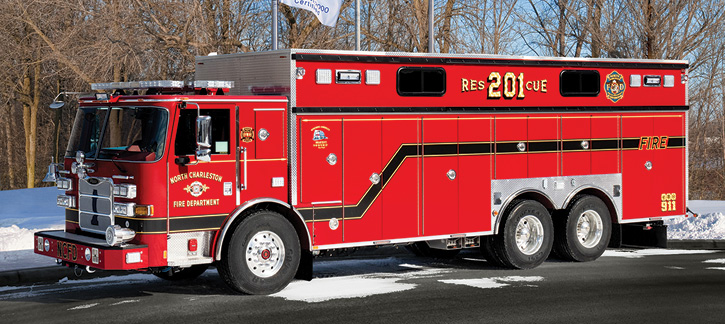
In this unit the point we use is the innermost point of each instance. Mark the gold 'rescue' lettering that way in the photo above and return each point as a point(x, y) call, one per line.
point(509, 86)
point(195, 175)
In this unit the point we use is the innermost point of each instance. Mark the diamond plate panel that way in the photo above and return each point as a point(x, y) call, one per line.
point(178, 248)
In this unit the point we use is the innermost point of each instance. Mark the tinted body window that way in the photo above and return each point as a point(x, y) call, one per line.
point(421, 81)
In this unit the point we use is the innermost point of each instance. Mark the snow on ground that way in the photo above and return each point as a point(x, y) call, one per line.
point(25, 211)
point(709, 225)
point(22, 213)
point(497, 282)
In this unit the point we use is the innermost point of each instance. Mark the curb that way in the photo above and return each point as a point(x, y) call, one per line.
point(56, 273)
point(696, 244)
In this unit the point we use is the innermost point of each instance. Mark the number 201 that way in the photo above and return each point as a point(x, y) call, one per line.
point(513, 86)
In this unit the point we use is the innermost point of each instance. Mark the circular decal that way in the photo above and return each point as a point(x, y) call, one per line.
point(196, 188)
point(614, 86)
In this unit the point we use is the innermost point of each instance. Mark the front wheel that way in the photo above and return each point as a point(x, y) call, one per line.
point(526, 238)
point(262, 255)
point(583, 233)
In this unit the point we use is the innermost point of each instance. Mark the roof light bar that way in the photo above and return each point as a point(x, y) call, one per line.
point(114, 85)
point(162, 84)
point(173, 84)
point(213, 84)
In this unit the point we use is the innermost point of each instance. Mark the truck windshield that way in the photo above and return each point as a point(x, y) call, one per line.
point(120, 133)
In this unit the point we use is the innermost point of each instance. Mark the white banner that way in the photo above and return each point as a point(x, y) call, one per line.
point(326, 11)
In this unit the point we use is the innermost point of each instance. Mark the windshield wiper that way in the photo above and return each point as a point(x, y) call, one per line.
point(114, 155)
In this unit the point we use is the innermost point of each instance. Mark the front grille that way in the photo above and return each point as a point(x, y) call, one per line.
point(95, 204)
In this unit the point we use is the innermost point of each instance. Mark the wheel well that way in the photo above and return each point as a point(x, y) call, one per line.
point(538, 197)
point(528, 195)
point(602, 196)
point(286, 212)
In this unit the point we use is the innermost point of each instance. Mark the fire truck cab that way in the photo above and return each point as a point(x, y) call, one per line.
point(303, 151)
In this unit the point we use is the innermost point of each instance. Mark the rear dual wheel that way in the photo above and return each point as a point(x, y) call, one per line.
point(526, 238)
point(583, 233)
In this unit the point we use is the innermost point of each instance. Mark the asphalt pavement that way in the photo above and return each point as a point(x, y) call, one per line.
point(55, 273)
point(623, 286)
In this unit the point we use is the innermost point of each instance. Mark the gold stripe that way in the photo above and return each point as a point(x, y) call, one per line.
point(170, 217)
point(645, 116)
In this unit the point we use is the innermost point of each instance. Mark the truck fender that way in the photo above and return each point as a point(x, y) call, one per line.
point(526, 193)
point(251, 204)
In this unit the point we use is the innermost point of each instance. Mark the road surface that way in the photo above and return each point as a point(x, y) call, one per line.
point(624, 286)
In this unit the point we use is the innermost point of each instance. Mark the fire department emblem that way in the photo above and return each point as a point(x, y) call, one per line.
point(614, 86)
point(196, 188)
point(319, 137)
point(247, 134)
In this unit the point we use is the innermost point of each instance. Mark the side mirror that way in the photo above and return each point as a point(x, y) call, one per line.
point(57, 104)
point(203, 138)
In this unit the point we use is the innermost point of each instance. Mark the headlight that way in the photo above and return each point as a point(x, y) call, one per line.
point(123, 209)
point(66, 201)
point(64, 184)
point(117, 235)
point(124, 190)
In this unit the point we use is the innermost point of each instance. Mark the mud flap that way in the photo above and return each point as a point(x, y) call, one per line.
point(651, 234)
point(304, 271)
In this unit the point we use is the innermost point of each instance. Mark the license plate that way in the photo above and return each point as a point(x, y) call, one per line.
point(67, 251)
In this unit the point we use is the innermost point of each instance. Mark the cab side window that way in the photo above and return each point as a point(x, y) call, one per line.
point(220, 134)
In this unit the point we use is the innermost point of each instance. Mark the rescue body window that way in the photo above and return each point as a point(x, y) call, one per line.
point(579, 83)
point(185, 143)
point(421, 81)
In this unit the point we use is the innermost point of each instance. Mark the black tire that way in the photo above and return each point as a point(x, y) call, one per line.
point(178, 274)
point(422, 249)
point(533, 218)
point(591, 213)
point(489, 252)
point(262, 254)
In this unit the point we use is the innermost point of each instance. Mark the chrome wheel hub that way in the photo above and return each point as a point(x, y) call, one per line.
point(265, 254)
point(529, 235)
point(589, 229)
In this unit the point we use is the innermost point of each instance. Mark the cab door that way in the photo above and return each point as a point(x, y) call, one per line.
point(202, 188)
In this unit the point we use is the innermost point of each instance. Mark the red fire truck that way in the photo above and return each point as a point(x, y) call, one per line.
point(303, 152)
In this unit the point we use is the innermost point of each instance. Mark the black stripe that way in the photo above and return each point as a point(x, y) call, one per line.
point(484, 61)
point(158, 225)
point(71, 215)
point(508, 148)
point(351, 110)
point(676, 142)
point(608, 144)
point(569, 145)
point(474, 148)
point(397, 160)
point(440, 149)
point(543, 146)
point(630, 143)
point(436, 149)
